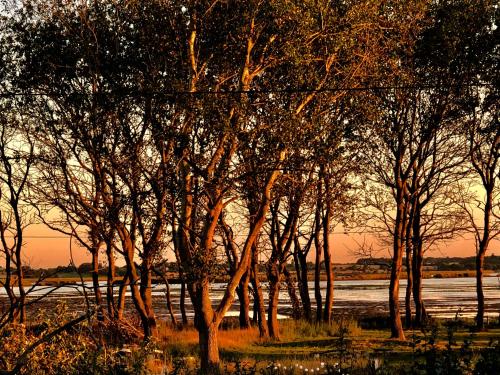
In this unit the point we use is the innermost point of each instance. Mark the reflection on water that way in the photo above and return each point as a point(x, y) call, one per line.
point(442, 297)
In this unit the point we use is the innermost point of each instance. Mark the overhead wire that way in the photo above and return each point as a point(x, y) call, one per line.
point(6, 94)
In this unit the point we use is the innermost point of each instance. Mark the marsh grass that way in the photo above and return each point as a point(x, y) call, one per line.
point(342, 345)
point(299, 329)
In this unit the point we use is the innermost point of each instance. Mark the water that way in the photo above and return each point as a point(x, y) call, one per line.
point(442, 297)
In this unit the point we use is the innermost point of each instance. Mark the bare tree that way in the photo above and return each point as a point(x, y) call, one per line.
point(484, 148)
point(16, 160)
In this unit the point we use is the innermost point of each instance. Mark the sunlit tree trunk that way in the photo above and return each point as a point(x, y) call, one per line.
point(206, 325)
point(148, 322)
point(273, 276)
point(146, 293)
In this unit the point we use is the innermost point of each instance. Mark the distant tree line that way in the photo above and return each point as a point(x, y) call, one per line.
point(229, 133)
point(491, 262)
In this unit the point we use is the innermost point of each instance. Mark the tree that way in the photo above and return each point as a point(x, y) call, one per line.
point(16, 161)
point(108, 172)
point(206, 175)
point(465, 44)
point(415, 163)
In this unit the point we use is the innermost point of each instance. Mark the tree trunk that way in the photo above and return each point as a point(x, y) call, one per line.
point(207, 326)
point(409, 286)
point(21, 300)
point(290, 284)
point(409, 243)
point(178, 240)
point(258, 295)
point(417, 262)
point(182, 303)
point(110, 279)
point(164, 276)
point(244, 299)
point(146, 293)
point(397, 261)
point(327, 316)
point(209, 349)
point(148, 326)
point(302, 276)
point(479, 290)
point(13, 311)
point(418, 271)
point(255, 307)
point(148, 322)
point(482, 248)
point(274, 289)
point(95, 282)
point(169, 301)
point(317, 270)
point(120, 305)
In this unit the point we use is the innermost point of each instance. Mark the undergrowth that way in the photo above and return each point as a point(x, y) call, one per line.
point(341, 347)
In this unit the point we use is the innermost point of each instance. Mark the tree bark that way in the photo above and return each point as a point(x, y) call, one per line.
point(146, 293)
point(258, 295)
point(482, 249)
point(274, 289)
point(148, 322)
point(95, 282)
point(290, 284)
point(327, 316)
point(409, 285)
point(302, 276)
point(168, 297)
point(120, 305)
point(110, 280)
point(13, 311)
point(408, 242)
point(418, 270)
point(418, 265)
point(317, 269)
point(209, 348)
point(207, 325)
point(479, 290)
point(244, 299)
point(397, 261)
point(182, 303)
point(255, 307)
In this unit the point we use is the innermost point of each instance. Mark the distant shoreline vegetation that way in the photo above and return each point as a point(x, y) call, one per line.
point(363, 268)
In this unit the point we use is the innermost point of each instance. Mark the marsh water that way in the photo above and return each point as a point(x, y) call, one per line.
point(443, 297)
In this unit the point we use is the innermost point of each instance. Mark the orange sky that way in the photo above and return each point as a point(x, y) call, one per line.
point(53, 249)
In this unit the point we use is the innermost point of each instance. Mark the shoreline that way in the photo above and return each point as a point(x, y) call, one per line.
point(339, 276)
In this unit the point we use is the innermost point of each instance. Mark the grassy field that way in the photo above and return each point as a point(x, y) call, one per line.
point(341, 346)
